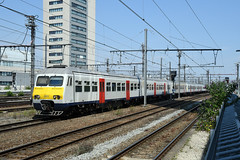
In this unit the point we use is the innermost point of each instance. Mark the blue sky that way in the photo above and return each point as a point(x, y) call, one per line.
point(220, 18)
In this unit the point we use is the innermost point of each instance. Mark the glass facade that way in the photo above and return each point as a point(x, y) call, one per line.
point(78, 32)
point(55, 10)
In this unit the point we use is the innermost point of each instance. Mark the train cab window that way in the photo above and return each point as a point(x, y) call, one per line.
point(113, 87)
point(108, 86)
point(69, 82)
point(123, 86)
point(78, 88)
point(118, 86)
point(42, 81)
point(56, 81)
point(86, 86)
point(94, 86)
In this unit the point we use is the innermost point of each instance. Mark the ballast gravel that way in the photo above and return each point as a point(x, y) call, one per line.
point(195, 147)
point(103, 148)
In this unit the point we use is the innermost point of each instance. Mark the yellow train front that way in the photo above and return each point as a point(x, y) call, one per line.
point(48, 94)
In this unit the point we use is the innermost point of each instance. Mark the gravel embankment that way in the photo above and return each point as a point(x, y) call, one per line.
point(194, 148)
point(95, 148)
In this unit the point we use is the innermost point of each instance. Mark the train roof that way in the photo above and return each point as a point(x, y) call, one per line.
point(70, 70)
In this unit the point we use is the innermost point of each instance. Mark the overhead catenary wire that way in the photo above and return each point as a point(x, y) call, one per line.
point(70, 32)
point(201, 23)
point(158, 32)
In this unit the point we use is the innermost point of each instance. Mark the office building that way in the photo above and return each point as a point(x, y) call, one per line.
point(69, 32)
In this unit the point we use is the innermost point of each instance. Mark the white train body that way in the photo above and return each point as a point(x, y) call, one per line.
point(58, 90)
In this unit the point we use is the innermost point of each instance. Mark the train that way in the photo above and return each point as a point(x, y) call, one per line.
point(61, 90)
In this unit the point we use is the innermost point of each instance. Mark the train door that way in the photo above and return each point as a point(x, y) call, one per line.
point(101, 90)
point(127, 90)
point(155, 90)
point(164, 89)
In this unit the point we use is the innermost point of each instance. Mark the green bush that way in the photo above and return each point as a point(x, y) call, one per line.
point(21, 93)
point(7, 87)
point(28, 88)
point(208, 111)
point(9, 94)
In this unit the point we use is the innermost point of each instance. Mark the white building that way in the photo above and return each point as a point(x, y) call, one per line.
point(15, 67)
point(69, 22)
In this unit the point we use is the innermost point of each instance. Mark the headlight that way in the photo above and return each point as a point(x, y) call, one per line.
point(36, 97)
point(56, 97)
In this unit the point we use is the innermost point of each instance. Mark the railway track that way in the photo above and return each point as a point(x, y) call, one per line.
point(30, 123)
point(14, 103)
point(31, 150)
point(24, 124)
point(156, 144)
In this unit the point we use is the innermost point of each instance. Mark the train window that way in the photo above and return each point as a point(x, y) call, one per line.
point(113, 87)
point(118, 86)
point(42, 81)
point(56, 81)
point(135, 86)
point(161, 87)
point(69, 82)
point(108, 86)
point(86, 86)
point(78, 88)
point(138, 86)
point(123, 86)
point(94, 86)
point(147, 86)
point(131, 86)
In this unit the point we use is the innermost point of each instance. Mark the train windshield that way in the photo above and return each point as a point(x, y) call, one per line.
point(49, 81)
point(42, 81)
point(56, 81)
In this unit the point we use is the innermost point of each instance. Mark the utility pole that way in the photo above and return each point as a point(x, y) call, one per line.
point(161, 68)
point(145, 69)
point(208, 82)
point(184, 72)
point(143, 51)
point(108, 65)
point(169, 70)
point(179, 65)
point(134, 70)
point(238, 77)
point(31, 25)
point(46, 51)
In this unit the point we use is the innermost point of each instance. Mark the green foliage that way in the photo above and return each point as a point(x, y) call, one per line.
point(21, 93)
point(7, 87)
point(208, 111)
point(9, 94)
point(28, 88)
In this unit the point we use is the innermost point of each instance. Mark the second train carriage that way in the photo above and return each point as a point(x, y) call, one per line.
point(68, 89)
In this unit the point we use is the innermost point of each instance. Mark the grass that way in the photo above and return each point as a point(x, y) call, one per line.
point(10, 94)
point(84, 149)
point(21, 114)
point(7, 88)
point(119, 112)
